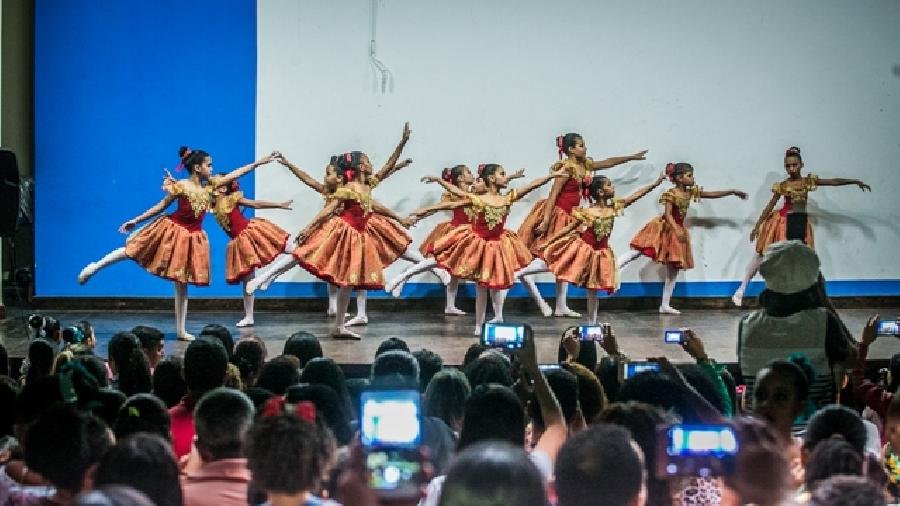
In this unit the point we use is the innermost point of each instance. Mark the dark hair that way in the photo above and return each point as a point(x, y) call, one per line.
point(452, 174)
point(249, 357)
point(493, 412)
point(4, 361)
point(658, 390)
point(220, 333)
point(598, 466)
point(286, 454)
point(473, 352)
point(673, 170)
point(564, 386)
point(514, 479)
point(51, 328)
point(328, 406)
point(278, 374)
point(9, 390)
point(190, 157)
point(73, 335)
point(205, 364)
point(793, 151)
point(348, 163)
point(895, 372)
point(430, 363)
point(566, 142)
point(304, 346)
point(63, 444)
point(35, 397)
point(391, 343)
point(846, 490)
point(798, 377)
point(131, 364)
point(150, 337)
point(832, 457)
point(591, 397)
point(597, 183)
point(145, 462)
point(325, 371)
point(96, 367)
point(222, 418)
point(143, 413)
point(446, 396)
point(487, 169)
point(40, 360)
point(258, 396)
point(587, 352)
point(489, 368)
point(396, 362)
point(168, 380)
point(113, 495)
point(835, 420)
point(607, 372)
point(642, 421)
point(702, 383)
point(762, 474)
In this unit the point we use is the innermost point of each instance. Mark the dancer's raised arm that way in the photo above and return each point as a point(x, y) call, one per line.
point(453, 189)
point(641, 192)
point(149, 213)
point(541, 181)
point(265, 204)
point(425, 212)
point(391, 165)
point(300, 174)
point(838, 181)
point(723, 193)
point(240, 171)
point(617, 160)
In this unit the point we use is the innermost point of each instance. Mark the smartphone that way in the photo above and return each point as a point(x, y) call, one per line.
point(549, 367)
point(390, 433)
point(887, 328)
point(696, 450)
point(510, 336)
point(591, 333)
point(673, 336)
point(629, 369)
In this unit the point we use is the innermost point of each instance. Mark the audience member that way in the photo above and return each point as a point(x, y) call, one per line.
point(847, 491)
point(325, 371)
point(128, 364)
point(168, 381)
point(40, 360)
point(151, 340)
point(490, 367)
point(391, 343)
point(278, 374)
point(430, 363)
point(446, 396)
point(572, 349)
point(328, 406)
point(205, 363)
point(146, 463)
point(249, 357)
point(304, 346)
point(493, 473)
point(221, 334)
point(143, 413)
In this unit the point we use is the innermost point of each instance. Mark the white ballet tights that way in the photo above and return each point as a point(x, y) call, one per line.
point(752, 269)
point(627, 258)
point(525, 275)
point(181, 306)
point(592, 303)
point(248, 301)
point(669, 286)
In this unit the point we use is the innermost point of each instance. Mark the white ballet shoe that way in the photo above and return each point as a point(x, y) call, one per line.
point(86, 273)
point(668, 310)
point(738, 298)
point(331, 311)
point(453, 311)
point(342, 333)
point(496, 319)
point(357, 321)
point(444, 276)
point(245, 322)
point(546, 310)
point(394, 287)
point(398, 290)
point(566, 313)
point(186, 337)
point(477, 331)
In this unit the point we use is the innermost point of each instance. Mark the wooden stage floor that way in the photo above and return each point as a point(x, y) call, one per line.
point(639, 332)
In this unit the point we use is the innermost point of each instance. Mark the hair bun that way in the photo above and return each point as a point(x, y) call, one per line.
point(792, 151)
point(184, 152)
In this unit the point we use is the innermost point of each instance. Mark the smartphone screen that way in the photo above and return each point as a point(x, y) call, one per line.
point(591, 333)
point(390, 433)
point(696, 450)
point(887, 328)
point(673, 336)
point(548, 367)
point(503, 335)
point(632, 368)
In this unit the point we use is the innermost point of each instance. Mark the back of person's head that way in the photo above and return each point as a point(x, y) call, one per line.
point(143, 413)
point(151, 338)
point(221, 334)
point(587, 352)
point(258, 396)
point(564, 385)
point(657, 389)
point(834, 420)
point(492, 412)
point(493, 473)
point(607, 371)
point(146, 463)
point(129, 362)
point(591, 397)
point(9, 390)
point(355, 388)
point(395, 362)
point(278, 374)
point(222, 418)
point(832, 457)
point(847, 491)
point(205, 364)
point(63, 444)
point(288, 455)
point(79, 386)
point(113, 495)
point(304, 346)
point(40, 359)
point(249, 357)
point(601, 465)
point(762, 472)
point(35, 397)
point(4, 361)
point(472, 352)
point(94, 365)
point(490, 367)
point(325, 371)
point(168, 380)
point(429, 365)
point(391, 343)
point(328, 406)
point(446, 396)
point(642, 421)
point(702, 383)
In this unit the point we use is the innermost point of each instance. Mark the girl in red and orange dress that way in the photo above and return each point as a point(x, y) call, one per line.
point(771, 227)
point(665, 239)
point(174, 246)
point(550, 215)
point(580, 253)
point(484, 251)
point(254, 243)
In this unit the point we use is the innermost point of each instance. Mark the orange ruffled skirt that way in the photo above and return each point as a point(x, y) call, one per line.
point(343, 255)
point(439, 231)
point(170, 251)
point(659, 241)
point(572, 259)
point(559, 220)
point(255, 246)
point(491, 263)
point(774, 229)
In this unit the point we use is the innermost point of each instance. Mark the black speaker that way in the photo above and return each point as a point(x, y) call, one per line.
point(796, 227)
point(9, 193)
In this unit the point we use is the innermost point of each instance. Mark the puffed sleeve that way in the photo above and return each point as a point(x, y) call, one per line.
point(811, 181)
point(696, 192)
point(172, 187)
point(667, 197)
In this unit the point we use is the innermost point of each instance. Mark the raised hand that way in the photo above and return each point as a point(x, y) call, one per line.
point(430, 179)
point(127, 227)
point(406, 131)
point(863, 186)
point(868, 334)
point(572, 344)
point(286, 204)
point(640, 155)
point(517, 174)
point(693, 345)
point(739, 194)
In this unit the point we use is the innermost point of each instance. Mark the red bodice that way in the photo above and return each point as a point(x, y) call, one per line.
point(355, 215)
point(459, 217)
point(570, 195)
point(184, 215)
point(480, 227)
point(238, 222)
point(787, 208)
point(676, 213)
point(590, 237)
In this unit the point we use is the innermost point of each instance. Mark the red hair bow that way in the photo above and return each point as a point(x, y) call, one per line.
point(480, 170)
point(670, 170)
point(184, 157)
point(305, 410)
point(447, 175)
point(586, 187)
point(559, 146)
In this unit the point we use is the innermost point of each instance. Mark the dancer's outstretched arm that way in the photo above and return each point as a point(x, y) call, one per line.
point(723, 193)
point(425, 212)
point(641, 192)
point(236, 173)
point(541, 181)
point(770, 206)
point(265, 204)
point(146, 215)
point(838, 181)
point(391, 165)
point(451, 188)
point(302, 175)
point(617, 160)
point(383, 210)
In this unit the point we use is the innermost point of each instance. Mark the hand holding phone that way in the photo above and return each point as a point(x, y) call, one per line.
point(887, 327)
point(510, 336)
point(390, 433)
point(591, 333)
point(630, 369)
point(673, 336)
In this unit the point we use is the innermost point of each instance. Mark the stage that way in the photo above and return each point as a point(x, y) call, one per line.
point(639, 332)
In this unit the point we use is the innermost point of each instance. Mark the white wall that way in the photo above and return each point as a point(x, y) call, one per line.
point(724, 85)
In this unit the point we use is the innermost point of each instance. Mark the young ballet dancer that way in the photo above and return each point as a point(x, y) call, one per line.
point(580, 253)
point(484, 251)
point(771, 227)
point(254, 243)
point(174, 246)
point(550, 215)
point(665, 239)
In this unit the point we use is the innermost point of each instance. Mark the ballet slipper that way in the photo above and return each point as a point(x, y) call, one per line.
point(668, 310)
point(357, 321)
point(453, 311)
point(186, 337)
point(342, 333)
point(566, 313)
point(86, 273)
point(245, 322)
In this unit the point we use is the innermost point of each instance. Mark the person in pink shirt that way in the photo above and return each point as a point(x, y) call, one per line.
point(205, 364)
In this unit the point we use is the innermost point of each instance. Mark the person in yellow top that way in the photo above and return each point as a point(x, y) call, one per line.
point(665, 239)
point(771, 227)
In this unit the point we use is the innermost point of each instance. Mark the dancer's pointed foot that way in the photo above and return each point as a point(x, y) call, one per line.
point(496, 319)
point(357, 321)
point(394, 287)
point(444, 276)
point(342, 333)
point(545, 308)
point(737, 298)
point(86, 273)
point(453, 311)
point(566, 313)
point(477, 331)
point(668, 310)
point(186, 337)
point(254, 285)
point(245, 322)
point(331, 311)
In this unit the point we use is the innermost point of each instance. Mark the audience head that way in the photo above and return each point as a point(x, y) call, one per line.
point(168, 381)
point(222, 418)
point(151, 339)
point(473, 352)
point(490, 367)
point(278, 374)
point(113, 495)
point(446, 396)
point(96, 367)
point(146, 463)
point(324, 371)
point(40, 360)
point(395, 362)
point(258, 396)
point(789, 267)
point(564, 385)
point(304, 346)
point(205, 364)
point(143, 413)
point(127, 360)
point(657, 389)
point(513, 478)
point(762, 473)
point(328, 406)
point(832, 457)
point(608, 373)
point(847, 491)
point(391, 343)
point(249, 357)
point(493, 412)
point(781, 392)
point(601, 465)
point(221, 334)
point(702, 383)
point(430, 363)
point(832, 421)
